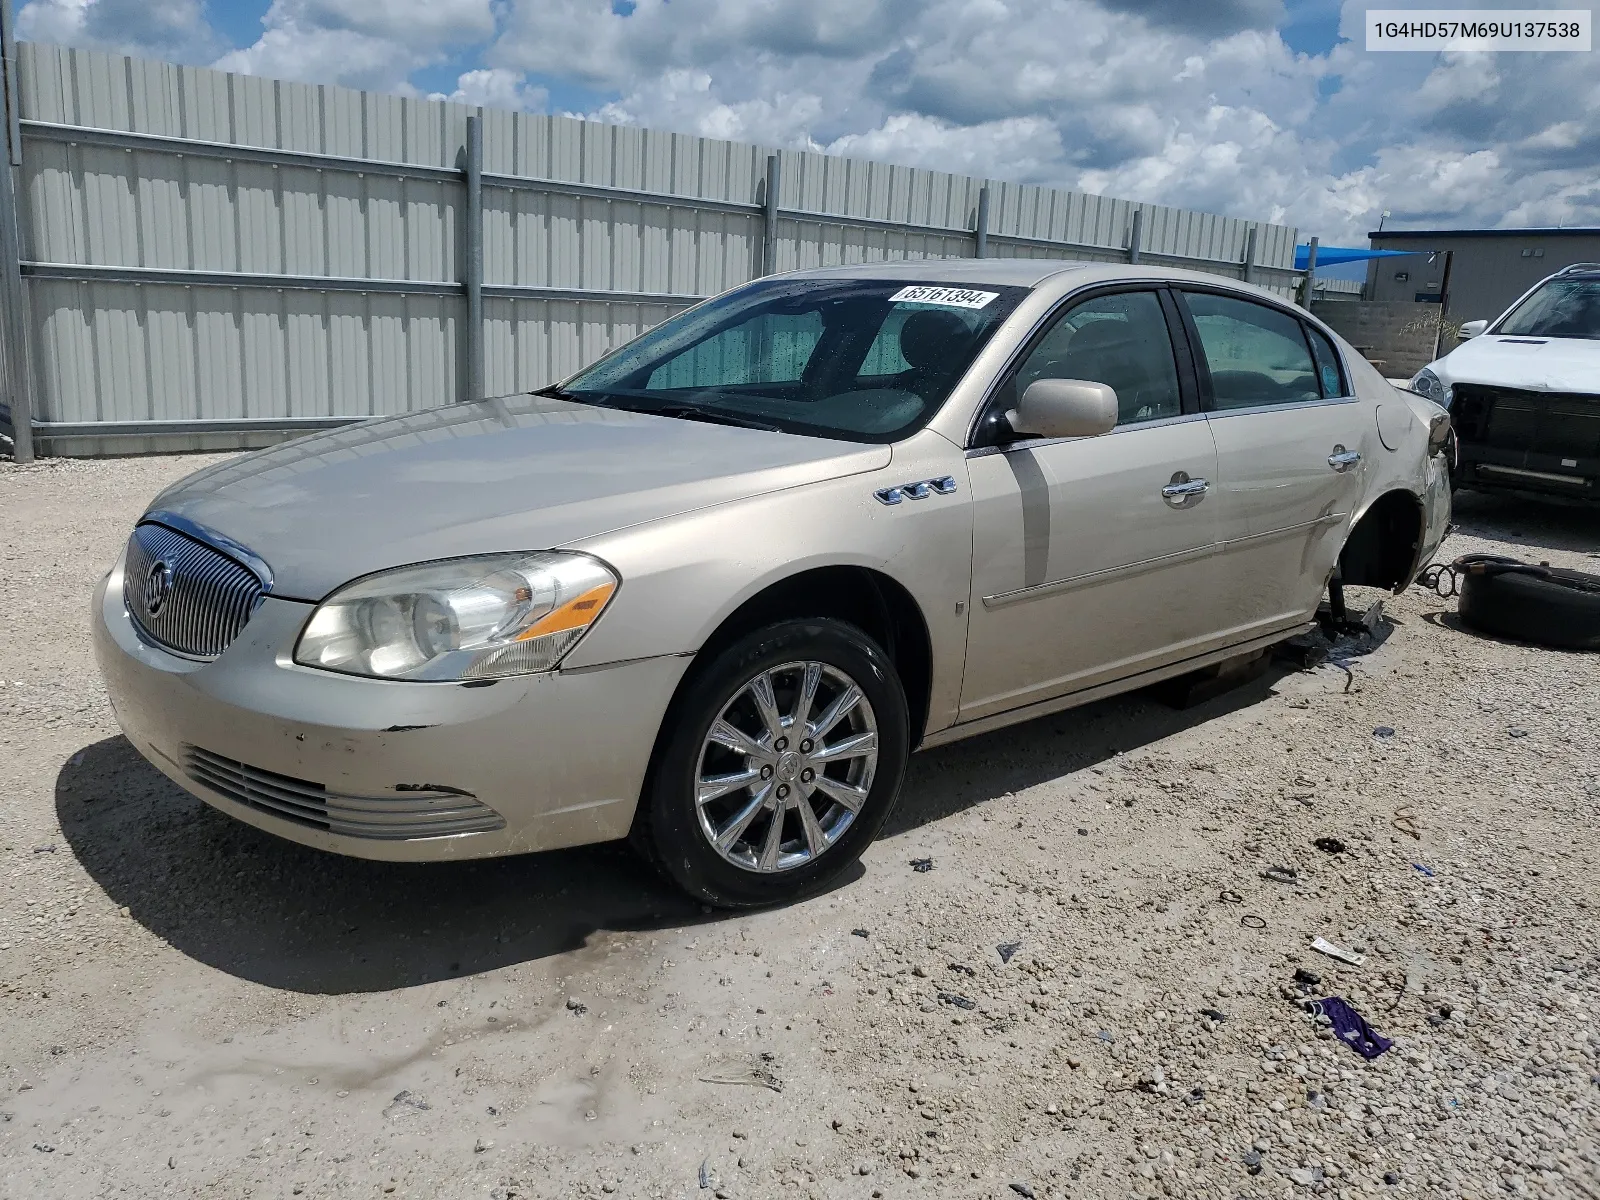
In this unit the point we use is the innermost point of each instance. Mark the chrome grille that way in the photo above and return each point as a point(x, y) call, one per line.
point(425, 811)
point(186, 595)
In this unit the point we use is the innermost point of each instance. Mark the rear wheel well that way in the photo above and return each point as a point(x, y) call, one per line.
point(1382, 549)
point(868, 599)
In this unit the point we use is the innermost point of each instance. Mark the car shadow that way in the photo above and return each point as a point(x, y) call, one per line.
point(283, 915)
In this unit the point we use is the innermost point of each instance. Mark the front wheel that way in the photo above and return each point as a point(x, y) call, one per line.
point(778, 764)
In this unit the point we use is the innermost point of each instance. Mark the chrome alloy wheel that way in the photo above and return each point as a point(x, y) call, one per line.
point(786, 767)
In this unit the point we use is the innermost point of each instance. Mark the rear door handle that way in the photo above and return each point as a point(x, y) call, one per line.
point(1184, 492)
point(1342, 459)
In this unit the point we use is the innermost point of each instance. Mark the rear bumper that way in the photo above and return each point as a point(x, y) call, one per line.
point(383, 769)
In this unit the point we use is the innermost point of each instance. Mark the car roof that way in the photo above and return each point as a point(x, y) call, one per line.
point(1022, 272)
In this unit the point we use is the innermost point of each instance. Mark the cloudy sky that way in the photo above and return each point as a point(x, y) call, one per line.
point(1255, 108)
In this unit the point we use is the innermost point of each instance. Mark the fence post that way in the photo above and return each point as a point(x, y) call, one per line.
point(473, 268)
point(983, 222)
point(1250, 255)
point(1310, 281)
point(13, 294)
point(1136, 235)
point(769, 237)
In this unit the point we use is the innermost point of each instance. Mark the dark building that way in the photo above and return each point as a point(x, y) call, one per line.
point(1487, 268)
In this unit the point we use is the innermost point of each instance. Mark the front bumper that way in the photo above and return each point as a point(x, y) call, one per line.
point(535, 762)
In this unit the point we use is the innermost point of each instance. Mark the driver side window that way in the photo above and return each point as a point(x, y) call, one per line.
point(1120, 340)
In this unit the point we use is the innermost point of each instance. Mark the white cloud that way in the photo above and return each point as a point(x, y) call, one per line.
point(170, 29)
point(496, 87)
point(374, 44)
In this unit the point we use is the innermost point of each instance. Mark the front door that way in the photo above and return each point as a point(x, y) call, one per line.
point(1093, 558)
point(1290, 443)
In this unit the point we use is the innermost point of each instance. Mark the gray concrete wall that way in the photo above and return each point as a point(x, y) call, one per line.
point(1487, 272)
point(1396, 336)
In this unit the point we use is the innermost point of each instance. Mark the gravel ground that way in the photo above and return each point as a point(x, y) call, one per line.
point(1091, 993)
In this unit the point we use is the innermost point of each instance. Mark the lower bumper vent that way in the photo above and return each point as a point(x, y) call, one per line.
point(419, 812)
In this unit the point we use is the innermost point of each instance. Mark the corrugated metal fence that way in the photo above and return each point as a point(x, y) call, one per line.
point(214, 260)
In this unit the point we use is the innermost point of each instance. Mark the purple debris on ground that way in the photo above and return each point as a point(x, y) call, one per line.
point(1351, 1028)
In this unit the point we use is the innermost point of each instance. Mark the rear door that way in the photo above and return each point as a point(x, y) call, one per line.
point(1291, 454)
point(1093, 558)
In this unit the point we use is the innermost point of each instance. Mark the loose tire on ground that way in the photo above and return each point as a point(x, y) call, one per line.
point(1550, 606)
point(669, 826)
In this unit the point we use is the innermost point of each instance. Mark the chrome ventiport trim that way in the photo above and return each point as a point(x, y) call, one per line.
point(944, 485)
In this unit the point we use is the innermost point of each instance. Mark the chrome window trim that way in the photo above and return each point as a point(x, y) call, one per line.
point(1258, 409)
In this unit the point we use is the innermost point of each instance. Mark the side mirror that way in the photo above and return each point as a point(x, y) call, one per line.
point(1471, 329)
point(1063, 408)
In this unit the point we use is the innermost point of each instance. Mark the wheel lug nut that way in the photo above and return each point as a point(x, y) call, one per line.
point(781, 744)
point(783, 790)
point(807, 775)
point(805, 746)
point(766, 772)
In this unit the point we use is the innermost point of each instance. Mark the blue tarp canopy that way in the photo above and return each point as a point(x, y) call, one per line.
point(1332, 256)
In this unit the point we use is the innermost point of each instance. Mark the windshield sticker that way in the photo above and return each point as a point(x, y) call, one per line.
point(948, 296)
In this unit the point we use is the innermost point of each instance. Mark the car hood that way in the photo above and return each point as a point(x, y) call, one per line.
point(516, 473)
point(1538, 364)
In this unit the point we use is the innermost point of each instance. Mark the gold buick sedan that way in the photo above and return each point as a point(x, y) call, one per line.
point(710, 592)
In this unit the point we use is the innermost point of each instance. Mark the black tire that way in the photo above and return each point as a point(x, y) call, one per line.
point(668, 824)
point(1550, 606)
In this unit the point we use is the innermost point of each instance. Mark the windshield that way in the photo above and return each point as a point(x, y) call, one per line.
point(858, 359)
point(1562, 308)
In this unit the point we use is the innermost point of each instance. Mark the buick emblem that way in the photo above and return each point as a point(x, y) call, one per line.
point(156, 587)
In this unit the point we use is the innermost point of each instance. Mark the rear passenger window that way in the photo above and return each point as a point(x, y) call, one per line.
point(1257, 354)
point(1328, 374)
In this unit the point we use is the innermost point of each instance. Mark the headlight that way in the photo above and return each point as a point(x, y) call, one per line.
point(464, 618)
point(1426, 383)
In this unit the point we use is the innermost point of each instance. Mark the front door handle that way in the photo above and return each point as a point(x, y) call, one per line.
point(1342, 459)
point(1184, 492)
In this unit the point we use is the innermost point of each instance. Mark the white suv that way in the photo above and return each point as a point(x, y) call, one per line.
point(1524, 391)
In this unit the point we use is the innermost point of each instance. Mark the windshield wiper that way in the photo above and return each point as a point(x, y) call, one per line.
point(688, 412)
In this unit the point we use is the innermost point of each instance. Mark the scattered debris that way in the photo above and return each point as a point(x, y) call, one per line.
point(1350, 1027)
point(576, 1007)
point(1282, 875)
point(1007, 949)
point(705, 1172)
point(1383, 733)
point(1516, 732)
point(922, 865)
point(1022, 1190)
point(958, 1000)
point(1428, 871)
point(1307, 978)
point(963, 968)
point(860, 933)
point(1216, 1014)
point(1251, 921)
point(1406, 822)
point(403, 1102)
point(1252, 1161)
point(1195, 1096)
point(481, 1145)
point(745, 1074)
point(1333, 950)
point(1229, 896)
point(1330, 845)
point(47, 848)
point(1392, 1178)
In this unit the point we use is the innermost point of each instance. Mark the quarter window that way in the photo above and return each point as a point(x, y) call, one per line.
point(1120, 340)
point(1329, 377)
point(1257, 355)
